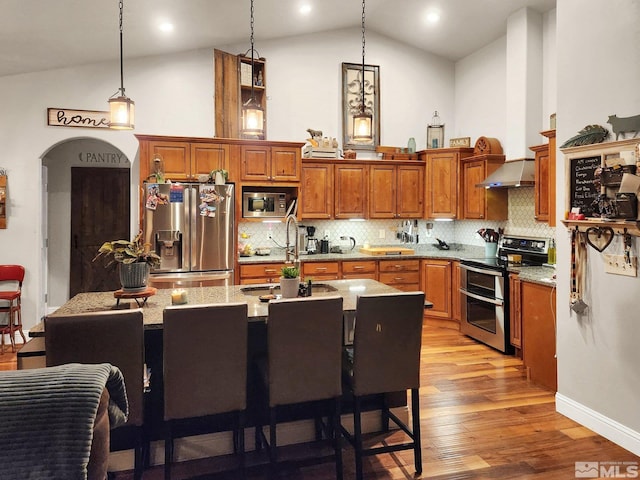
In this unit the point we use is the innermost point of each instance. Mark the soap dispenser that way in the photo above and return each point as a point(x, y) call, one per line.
point(551, 252)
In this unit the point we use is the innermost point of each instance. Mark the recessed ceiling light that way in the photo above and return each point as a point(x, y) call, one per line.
point(305, 9)
point(433, 17)
point(166, 27)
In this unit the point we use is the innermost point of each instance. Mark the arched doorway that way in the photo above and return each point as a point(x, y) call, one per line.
point(87, 190)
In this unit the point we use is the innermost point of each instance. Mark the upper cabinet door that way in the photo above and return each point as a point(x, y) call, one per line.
point(207, 157)
point(255, 163)
point(382, 191)
point(474, 202)
point(175, 159)
point(285, 164)
point(316, 191)
point(442, 185)
point(350, 191)
point(410, 191)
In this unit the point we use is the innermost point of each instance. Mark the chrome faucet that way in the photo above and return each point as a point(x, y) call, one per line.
point(291, 218)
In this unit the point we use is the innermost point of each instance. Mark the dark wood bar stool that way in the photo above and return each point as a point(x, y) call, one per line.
point(385, 358)
point(107, 337)
point(205, 369)
point(304, 337)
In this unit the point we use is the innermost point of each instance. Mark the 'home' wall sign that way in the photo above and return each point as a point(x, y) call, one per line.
point(63, 117)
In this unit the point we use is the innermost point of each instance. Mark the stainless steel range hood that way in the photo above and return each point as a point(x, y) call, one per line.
point(513, 173)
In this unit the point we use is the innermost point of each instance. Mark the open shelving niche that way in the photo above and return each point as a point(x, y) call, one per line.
point(589, 155)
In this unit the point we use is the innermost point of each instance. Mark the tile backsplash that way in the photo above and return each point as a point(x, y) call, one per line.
point(521, 222)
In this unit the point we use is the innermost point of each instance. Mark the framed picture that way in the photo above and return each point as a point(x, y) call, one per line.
point(435, 136)
point(352, 83)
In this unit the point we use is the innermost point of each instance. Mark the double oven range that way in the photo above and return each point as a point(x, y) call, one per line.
point(484, 288)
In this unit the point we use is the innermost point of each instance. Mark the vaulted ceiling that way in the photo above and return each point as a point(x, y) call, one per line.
point(40, 35)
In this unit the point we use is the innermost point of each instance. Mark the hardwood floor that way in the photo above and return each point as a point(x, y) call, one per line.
point(480, 419)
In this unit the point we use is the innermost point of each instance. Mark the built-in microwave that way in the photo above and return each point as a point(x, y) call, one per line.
point(264, 204)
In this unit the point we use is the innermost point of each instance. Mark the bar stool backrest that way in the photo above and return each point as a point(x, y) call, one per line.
point(102, 337)
point(205, 359)
point(387, 342)
point(305, 349)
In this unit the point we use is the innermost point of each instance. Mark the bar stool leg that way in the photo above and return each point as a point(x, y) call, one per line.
point(337, 437)
point(415, 413)
point(357, 437)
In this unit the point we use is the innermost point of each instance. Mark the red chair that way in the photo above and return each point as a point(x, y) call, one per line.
point(15, 275)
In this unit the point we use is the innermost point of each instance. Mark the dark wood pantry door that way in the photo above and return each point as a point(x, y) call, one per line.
point(100, 211)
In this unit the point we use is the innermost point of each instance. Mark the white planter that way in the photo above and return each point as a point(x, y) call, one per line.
point(289, 287)
point(219, 178)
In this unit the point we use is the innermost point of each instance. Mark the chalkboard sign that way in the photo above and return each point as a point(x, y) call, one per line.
point(583, 191)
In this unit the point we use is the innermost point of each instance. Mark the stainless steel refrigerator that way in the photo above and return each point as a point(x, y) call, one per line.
point(191, 227)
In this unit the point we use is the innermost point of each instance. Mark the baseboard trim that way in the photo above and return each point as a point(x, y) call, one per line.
point(604, 426)
point(215, 444)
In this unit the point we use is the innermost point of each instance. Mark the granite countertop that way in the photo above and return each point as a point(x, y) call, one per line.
point(257, 310)
point(421, 251)
point(544, 275)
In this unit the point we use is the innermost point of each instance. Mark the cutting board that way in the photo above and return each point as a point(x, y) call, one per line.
point(387, 251)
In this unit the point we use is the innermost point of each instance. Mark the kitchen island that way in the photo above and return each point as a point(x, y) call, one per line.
point(300, 428)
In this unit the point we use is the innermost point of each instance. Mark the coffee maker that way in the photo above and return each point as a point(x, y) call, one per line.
point(312, 241)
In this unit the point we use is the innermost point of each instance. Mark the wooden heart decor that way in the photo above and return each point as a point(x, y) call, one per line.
point(600, 237)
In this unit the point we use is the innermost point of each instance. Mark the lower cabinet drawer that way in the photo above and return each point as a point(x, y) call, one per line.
point(349, 268)
point(260, 273)
point(321, 268)
point(400, 278)
point(398, 266)
point(359, 276)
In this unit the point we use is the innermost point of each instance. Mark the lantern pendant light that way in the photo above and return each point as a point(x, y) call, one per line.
point(121, 107)
point(362, 122)
point(252, 111)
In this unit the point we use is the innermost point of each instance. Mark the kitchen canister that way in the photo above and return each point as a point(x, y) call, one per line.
point(490, 249)
point(411, 146)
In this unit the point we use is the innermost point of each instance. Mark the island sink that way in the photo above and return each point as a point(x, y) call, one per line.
point(260, 290)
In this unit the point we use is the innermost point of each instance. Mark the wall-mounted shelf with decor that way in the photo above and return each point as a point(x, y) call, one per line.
point(582, 164)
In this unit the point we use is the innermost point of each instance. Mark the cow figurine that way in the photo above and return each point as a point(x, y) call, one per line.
point(624, 125)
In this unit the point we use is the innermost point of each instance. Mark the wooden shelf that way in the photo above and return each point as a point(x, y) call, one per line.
point(632, 227)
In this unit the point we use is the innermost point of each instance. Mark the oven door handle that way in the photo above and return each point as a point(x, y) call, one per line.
point(495, 301)
point(482, 270)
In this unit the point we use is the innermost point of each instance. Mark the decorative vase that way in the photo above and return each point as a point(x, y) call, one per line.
point(289, 287)
point(133, 276)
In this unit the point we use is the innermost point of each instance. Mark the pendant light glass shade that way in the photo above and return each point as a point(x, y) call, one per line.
point(121, 107)
point(122, 113)
point(362, 127)
point(252, 111)
point(252, 118)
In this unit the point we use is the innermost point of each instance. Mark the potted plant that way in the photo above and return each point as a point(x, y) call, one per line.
point(289, 282)
point(135, 259)
point(219, 176)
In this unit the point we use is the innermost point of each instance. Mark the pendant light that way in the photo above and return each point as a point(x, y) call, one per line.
point(252, 112)
point(121, 107)
point(362, 121)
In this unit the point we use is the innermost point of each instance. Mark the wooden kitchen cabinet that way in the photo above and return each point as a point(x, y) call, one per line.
point(320, 270)
point(360, 269)
point(545, 179)
point(396, 191)
point(265, 163)
point(233, 88)
point(260, 273)
point(538, 310)
point(515, 314)
point(456, 299)
point(436, 284)
point(350, 183)
point(479, 202)
point(180, 159)
point(401, 274)
point(442, 181)
point(316, 191)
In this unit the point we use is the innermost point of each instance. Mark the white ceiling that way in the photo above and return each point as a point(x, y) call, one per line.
point(39, 35)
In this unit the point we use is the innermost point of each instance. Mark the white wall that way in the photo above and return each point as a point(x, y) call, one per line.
point(598, 354)
point(305, 85)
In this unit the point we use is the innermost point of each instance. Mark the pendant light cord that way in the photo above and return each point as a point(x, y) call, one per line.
point(252, 51)
point(121, 6)
point(363, 47)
